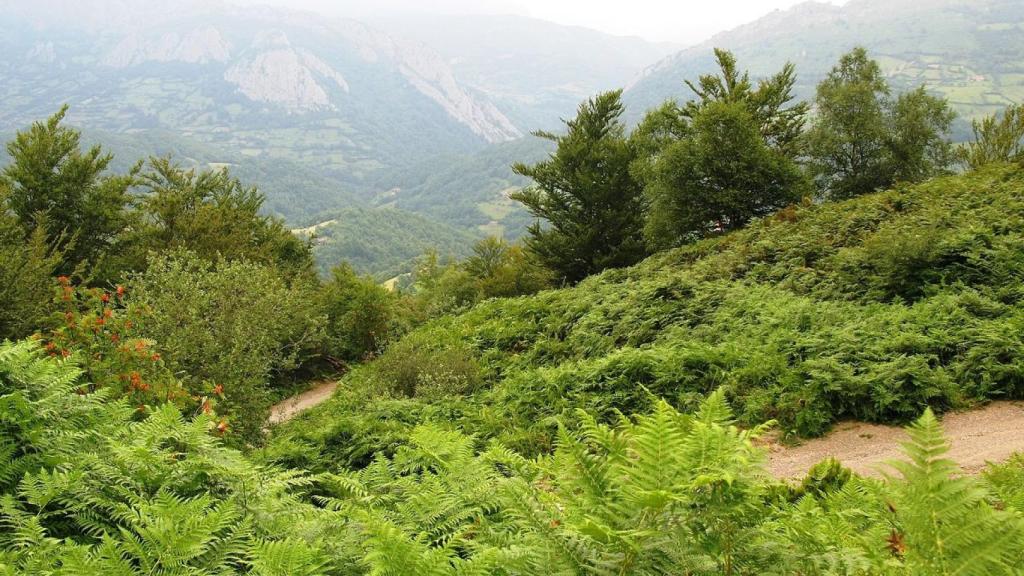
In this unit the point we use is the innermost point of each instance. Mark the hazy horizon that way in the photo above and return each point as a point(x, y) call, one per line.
point(652, 20)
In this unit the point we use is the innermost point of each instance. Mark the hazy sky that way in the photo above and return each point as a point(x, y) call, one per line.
point(686, 21)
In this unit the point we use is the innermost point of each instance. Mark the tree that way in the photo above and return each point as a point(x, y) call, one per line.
point(215, 216)
point(27, 266)
point(863, 140)
point(52, 181)
point(997, 138)
point(504, 270)
point(718, 179)
point(360, 314)
point(725, 157)
point(233, 329)
point(779, 120)
point(591, 205)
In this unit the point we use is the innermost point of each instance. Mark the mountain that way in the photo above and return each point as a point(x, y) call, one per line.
point(537, 72)
point(971, 51)
point(268, 83)
point(468, 190)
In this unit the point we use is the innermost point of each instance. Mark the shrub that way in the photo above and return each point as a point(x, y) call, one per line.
point(231, 327)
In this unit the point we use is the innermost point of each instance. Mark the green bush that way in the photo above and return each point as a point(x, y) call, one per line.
point(234, 328)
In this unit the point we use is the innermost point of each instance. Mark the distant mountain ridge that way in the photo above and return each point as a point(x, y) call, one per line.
point(266, 82)
point(971, 51)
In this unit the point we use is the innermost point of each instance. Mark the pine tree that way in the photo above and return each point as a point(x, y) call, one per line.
point(54, 183)
point(589, 202)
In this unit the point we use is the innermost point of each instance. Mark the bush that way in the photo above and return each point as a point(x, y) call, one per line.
point(418, 368)
point(362, 316)
point(232, 327)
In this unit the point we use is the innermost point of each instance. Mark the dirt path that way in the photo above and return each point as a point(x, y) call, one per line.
point(288, 409)
point(989, 434)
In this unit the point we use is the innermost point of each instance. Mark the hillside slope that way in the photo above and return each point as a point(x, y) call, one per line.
point(869, 309)
point(970, 51)
point(383, 242)
point(536, 71)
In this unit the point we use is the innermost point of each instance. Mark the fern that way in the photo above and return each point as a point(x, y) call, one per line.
point(945, 524)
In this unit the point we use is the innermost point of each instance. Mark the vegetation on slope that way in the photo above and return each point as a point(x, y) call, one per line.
point(87, 490)
point(383, 242)
point(872, 308)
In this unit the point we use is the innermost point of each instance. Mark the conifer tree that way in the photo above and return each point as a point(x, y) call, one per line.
point(52, 180)
point(590, 203)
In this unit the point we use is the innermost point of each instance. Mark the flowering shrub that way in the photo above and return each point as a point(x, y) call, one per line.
point(105, 331)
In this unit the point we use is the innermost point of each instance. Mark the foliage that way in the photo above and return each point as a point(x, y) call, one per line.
point(997, 138)
point(778, 119)
point(27, 266)
point(870, 309)
point(105, 333)
point(863, 140)
point(85, 490)
point(721, 159)
point(361, 316)
point(52, 182)
point(214, 216)
point(230, 328)
point(717, 179)
point(590, 203)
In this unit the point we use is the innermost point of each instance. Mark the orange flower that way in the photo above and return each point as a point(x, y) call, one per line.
point(65, 353)
point(155, 357)
point(207, 408)
point(63, 279)
point(218, 390)
point(140, 345)
point(105, 297)
point(222, 427)
point(120, 291)
point(128, 325)
point(108, 313)
point(115, 338)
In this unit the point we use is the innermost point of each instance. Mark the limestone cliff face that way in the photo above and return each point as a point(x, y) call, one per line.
point(198, 46)
point(429, 74)
point(276, 72)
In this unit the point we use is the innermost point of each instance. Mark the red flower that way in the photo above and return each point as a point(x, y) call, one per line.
point(120, 291)
point(155, 357)
point(105, 297)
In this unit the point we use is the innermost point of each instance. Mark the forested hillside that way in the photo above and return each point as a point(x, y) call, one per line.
point(382, 242)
